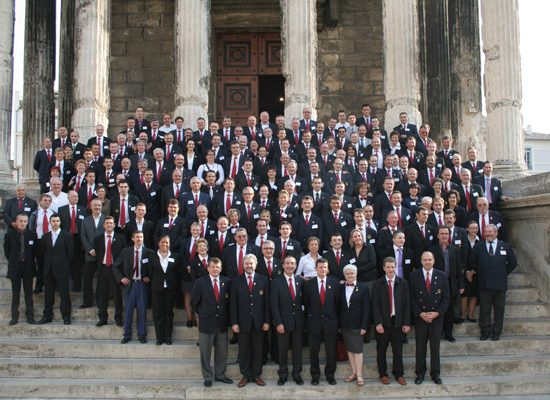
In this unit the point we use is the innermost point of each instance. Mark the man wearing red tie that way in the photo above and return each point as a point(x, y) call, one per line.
point(43, 160)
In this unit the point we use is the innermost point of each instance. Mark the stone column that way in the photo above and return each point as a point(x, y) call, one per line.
point(66, 64)
point(91, 66)
point(299, 52)
point(192, 59)
point(38, 97)
point(401, 61)
point(500, 30)
point(465, 75)
point(6, 79)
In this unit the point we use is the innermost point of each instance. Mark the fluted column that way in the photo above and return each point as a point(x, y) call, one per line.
point(6, 80)
point(66, 64)
point(299, 52)
point(192, 59)
point(92, 65)
point(38, 96)
point(401, 61)
point(500, 30)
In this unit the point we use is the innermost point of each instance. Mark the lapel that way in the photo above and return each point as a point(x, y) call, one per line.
point(354, 294)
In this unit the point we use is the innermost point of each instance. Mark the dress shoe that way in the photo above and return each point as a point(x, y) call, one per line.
point(484, 336)
point(189, 324)
point(315, 381)
point(225, 380)
point(259, 381)
point(281, 382)
point(31, 321)
point(299, 381)
point(118, 321)
point(472, 319)
point(495, 337)
point(159, 342)
point(101, 323)
point(401, 381)
point(142, 340)
point(419, 379)
point(168, 341)
point(208, 383)
point(125, 340)
point(242, 383)
point(44, 320)
point(85, 305)
point(385, 380)
point(331, 381)
point(449, 338)
point(13, 322)
point(437, 380)
point(67, 321)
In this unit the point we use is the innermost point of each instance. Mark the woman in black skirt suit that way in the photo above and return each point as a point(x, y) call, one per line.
point(468, 299)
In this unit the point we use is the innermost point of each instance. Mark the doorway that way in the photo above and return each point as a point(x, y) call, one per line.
point(271, 91)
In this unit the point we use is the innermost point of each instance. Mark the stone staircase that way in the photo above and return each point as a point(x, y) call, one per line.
point(81, 361)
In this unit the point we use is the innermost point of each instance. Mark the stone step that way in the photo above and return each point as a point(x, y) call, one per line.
point(456, 388)
point(93, 368)
point(188, 349)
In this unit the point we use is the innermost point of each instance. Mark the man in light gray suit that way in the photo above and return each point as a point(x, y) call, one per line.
point(92, 226)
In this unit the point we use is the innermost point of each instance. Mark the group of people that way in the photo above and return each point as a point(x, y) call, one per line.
point(284, 236)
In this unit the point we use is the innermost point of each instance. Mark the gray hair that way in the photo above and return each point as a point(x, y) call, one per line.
point(350, 267)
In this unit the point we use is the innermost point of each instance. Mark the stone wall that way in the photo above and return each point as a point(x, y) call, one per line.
point(142, 58)
point(351, 60)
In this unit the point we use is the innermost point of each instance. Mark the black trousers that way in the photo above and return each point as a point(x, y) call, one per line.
point(251, 354)
point(270, 344)
point(61, 283)
point(163, 312)
point(107, 284)
point(491, 300)
point(330, 350)
point(449, 317)
point(27, 282)
point(425, 332)
point(284, 341)
point(88, 272)
point(76, 263)
point(393, 335)
point(39, 265)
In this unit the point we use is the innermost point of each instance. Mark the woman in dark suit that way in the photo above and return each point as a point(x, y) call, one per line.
point(453, 198)
point(363, 256)
point(191, 158)
point(188, 251)
point(165, 275)
point(354, 320)
point(468, 299)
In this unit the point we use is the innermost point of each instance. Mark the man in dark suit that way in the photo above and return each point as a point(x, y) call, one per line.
point(483, 216)
point(225, 199)
point(448, 259)
point(149, 193)
point(20, 250)
point(20, 204)
point(469, 192)
point(141, 124)
point(403, 256)
point(123, 205)
point(233, 255)
point(140, 223)
point(473, 164)
point(91, 227)
point(161, 169)
point(100, 140)
point(191, 200)
point(58, 251)
point(430, 299)
point(492, 260)
point(284, 245)
point(447, 152)
point(108, 247)
point(321, 302)
point(250, 319)
point(337, 258)
point(306, 123)
point(334, 220)
point(72, 216)
point(419, 236)
point(132, 270)
point(492, 187)
point(405, 129)
point(172, 225)
point(249, 210)
point(391, 310)
point(221, 239)
point(382, 201)
point(43, 161)
point(288, 317)
point(306, 224)
point(209, 299)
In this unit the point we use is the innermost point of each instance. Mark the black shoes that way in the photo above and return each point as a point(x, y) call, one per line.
point(315, 381)
point(125, 340)
point(208, 383)
point(419, 379)
point(101, 323)
point(495, 337)
point(331, 381)
point(84, 305)
point(118, 321)
point(485, 336)
point(13, 322)
point(168, 341)
point(225, 380)
point(31, 321)
point(66, 321)
point(449, 338)
point(189, 324)
point(437, 380)
point(142, 340)
point(299, 381)
point(44, 320)
point(159, 342)
point(281, 382)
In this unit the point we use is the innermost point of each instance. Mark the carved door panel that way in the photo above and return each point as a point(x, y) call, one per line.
point(237, 97)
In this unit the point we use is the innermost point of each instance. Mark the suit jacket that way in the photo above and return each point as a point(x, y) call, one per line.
point(335, 268)
point(171, 277)
point(115, 207)
point(12, 249)
point(57, 257)
point(406, 215)
point(476, 169)
point(380, 204)
point(241, 182)
point(188, 209)
point(322, 318)
point(11, 209)
point(381, 311)
point(312, 125)
point(124, 264)
point(456, 269)
point(447, 158)
point(365, 263)
point(276, 268)
point(65, 216)
point(218, 204)
point(250, 309)
point(404, 133)
point(285, 310)
point(475, 193)
point(78, 150)
point(330, 227)
point(331, 180)
point(117, 245)
point(355, 314)
point(293, 248)
point(302, 232)
point(134, 158)
point(230, 260)
point(214, 243)
point(495, 190)
point(151, 198)
point(105, 142)
point(407, 261)
point(494, 218)
point(417, 243)
point(166, 194)
point(42, 165)
point(148, 230)
point(176, 232)
point(436, 299)
point(165, 175)
point(88, 233)
point(213, 316)
point(249, 223)
point(492, 271)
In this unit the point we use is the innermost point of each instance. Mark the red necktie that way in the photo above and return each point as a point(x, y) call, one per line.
point(322, 293)
point(307, 220)
point(422, 232)
point(193, 251)
point(248, 180)
point(263, 203)
point(196, 200)
point(216, 291)
point(261, 241)
point(89, 196)
point(49, 156)
point(154, 135)
point(77, 187)
point(291, 288)
point(171, 223)
point(122, 218)
point(136, 264)
point(73, 221)
point(19, 203)
point(241, 256)
point(336, 219)
point(283, 252)
point(108, 252)
point(483, 227)
point(428, 282)
point(338, 257)
point(202, 230)
point(227, 135)
point(390, 296)
point(45, 224)
point(227, 203)
point(141, 180)
point(234, 167)
point(450, 238)
point(307, 125)
point(468, 200)
point(431, 176)
point(204, 264)
point(221, 242)
point(338, 177)
point(296, 138)
point(253, 135)
point(249, 212)
point(440, 220)
point(250, 283)
point(159, 171)
point(178, 138)
point(121, 152)
point(167, 152)
point(411, 157)
point(400, 221)
point(269, 270)
point(285, 173)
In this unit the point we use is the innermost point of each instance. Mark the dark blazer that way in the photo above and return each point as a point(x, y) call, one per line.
point(12, 248)
point(492, 271)
point(151, 198)
point(380, 204)
point(166, 194)
point(494, 218)
point(365, 263)
point(417, 243)
point(176, 233)
point(172, 276)
point(276, 267)
point(229, 258)
point(495, 190)
point(322, 318)
point(134, 158)
point(478, 170)
point(336, 269)
point(78, 150)
point(437, 299)
point(117, 245)
point(196, 266)
point(330, 182)
point(250, 309)
point(249, 223)
point(284, 310)
point(148, 230)
point(188, 207)
point(124, 264)
point(344, 225)
point(11, 210)
point(381, 303)
point(456, 269)
point(214, 243)
point(105, 141)
point(89, 233)
point(218, 204)
point(42, 165)
point(57, 257)
point(213, 316)
point(302, 232)
point(115, 206)
point(475, 193)
point(165, 175)
point(404, 133)
point(355, 315)
point(293, 248)
point(407, 261)
point(447, 159)
point(65, 216)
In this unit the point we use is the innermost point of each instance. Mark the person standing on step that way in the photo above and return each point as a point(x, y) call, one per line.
point(492, 260)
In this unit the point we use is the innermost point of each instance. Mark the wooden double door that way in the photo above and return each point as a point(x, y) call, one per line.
point(249, 76)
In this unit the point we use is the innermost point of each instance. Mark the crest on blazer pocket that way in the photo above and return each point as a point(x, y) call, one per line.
point(438, 291)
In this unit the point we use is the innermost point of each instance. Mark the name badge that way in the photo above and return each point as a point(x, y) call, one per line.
point(283, 215)
point(349, 205)
point(166, 225)
point(132, 208)
point(352, 261)
point(77, 152)
point(190, 202)
point(407, 217)
point(106, 147)
point(31, 242)
point(458, 241)
point(68, 172)
point(298, 183)
point(274, 187)
point(315, 226)
point(27, 209)
point(431, 238)
point(145, 261)
point(439, 166)
point(382, 137)
point(499, 225)
point(212, 232)
point(153, 194)
point(407, 129)
point(413, 203)
point(475, 194)
point(503, 252)
point(81, 217)
point(372, 241)
point(238, 202)
point(344, 223)
point(221, 158)
point(290, 247)
point(407, 261)
point(495, 188)
point(48, 184)
point(170, 259)
point(256, 216)
point(397, 180)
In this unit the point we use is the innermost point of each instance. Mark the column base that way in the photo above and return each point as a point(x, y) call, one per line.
point(7, 185)
point(506, 170)
point(295, 110)
point(85, 120)
point(190, 112)
point(391, 117)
